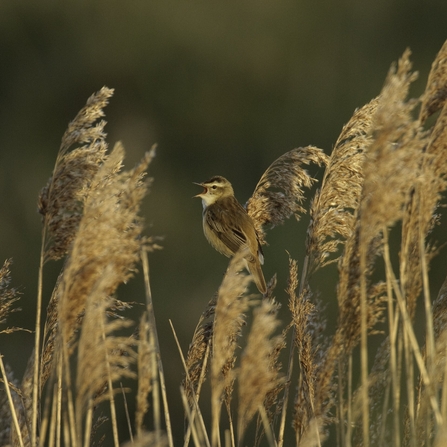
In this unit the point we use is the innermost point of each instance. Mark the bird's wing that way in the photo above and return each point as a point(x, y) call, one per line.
point(230, 234)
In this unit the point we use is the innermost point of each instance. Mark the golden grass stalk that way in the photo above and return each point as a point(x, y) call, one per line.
point(333, 212)
point(108, 240)
point(419, 218)
point(158, 364)
point(279, 193)
point(196, 426)
point(60, 201)
point(391, 170)
point(256, 376)
point(229, 318)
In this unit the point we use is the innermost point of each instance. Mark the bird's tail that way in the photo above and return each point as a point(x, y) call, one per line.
point(255, 269)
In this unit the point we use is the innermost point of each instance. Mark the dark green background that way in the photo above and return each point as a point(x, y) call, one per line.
point(223, 87)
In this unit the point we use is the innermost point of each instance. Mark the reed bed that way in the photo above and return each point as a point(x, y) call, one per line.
point(278, 383)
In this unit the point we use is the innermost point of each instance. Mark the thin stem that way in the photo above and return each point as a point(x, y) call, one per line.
point(111, 395)
point(414, 344)
point(349, 404)
point(199, 386)
point(290, 363)
point(126, 409)
point(71, 411)
point(36, 378)
point(153, 325)
point(188, 381)
point(190, 417)
point(88, 424)
point(267, 428)
point(393, 334)
point(427, 302)
point(364, 345)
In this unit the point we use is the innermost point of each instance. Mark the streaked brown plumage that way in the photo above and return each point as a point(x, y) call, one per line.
point(228, 227)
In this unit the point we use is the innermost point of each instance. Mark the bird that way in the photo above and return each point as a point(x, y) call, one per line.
point(228, 227)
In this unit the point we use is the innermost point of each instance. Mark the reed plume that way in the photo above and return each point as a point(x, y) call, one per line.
point(103, 357)
point(199, 348)
point(8, 296)
point(61, 200)
point(279, 193)
point(334, 206)
point(257, 378)
point(229, 318)
point(108, 237)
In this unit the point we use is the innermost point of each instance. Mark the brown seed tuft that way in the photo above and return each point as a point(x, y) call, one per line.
point(61, 200)
point(279, 193)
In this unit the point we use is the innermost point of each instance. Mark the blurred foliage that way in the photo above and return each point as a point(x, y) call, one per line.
point(222, 87)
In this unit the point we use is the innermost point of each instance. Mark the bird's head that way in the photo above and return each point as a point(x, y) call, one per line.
point(214, 189)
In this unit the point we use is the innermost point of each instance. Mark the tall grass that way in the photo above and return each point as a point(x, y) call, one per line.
point(299, 382)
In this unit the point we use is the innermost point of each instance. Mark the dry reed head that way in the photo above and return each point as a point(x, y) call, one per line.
point(279, 193)
point(61, 200)
point(348, 290)
point(8, 295)
point(50, 334)
point(102, 355)
point(435, 95)
point(257, 378)
point(229, 318)
point(334, 206)
point(420, 212)
point(109, 236)
point(301, 308)
point(308, 327)
point(392, 160)
point(201, 344)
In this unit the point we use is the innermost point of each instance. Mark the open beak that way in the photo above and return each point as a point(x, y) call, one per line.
point(203, 192)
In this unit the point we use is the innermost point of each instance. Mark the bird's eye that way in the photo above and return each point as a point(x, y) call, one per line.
point(214, 187)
